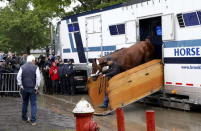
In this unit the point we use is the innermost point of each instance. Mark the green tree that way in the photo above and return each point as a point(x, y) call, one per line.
point(25, 24)
point(24, 27)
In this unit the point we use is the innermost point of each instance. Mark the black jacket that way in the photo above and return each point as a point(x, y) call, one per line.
point(60, 70)
point(68, 70)
point(113, 70)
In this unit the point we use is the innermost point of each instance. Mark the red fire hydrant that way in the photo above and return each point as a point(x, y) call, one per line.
point(83, 112)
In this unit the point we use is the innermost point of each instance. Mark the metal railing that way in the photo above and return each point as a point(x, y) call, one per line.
point(8, 82)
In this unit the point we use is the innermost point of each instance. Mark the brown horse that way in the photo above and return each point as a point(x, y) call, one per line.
point(128, 58)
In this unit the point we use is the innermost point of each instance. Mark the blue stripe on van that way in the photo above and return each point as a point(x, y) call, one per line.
point(182, 60)
point(66, 50)
point(80, 49)
point(105, 48)
point(184, 43)
point(92, 49)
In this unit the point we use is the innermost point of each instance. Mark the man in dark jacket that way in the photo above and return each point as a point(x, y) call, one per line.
point(28, 79)
point(113, 70)
point(71, 77)
point(68, 73)
point(61, 78)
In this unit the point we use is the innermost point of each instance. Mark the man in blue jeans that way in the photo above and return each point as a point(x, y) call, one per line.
point(113, 70)
point(28, 79)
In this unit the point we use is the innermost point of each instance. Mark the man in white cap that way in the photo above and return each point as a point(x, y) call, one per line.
point(28, 79)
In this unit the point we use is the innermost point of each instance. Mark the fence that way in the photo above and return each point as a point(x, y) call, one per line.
point(8, 83)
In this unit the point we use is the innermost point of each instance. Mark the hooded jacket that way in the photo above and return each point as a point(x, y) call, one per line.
point(53, 75)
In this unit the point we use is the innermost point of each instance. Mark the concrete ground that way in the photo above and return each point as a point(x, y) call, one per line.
point(135, 119)
point(47, 119)
point(55, 114)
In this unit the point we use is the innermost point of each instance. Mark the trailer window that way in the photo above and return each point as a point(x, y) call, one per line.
point(70, 27)
point(76, 27)
point(199, 16)
point(191, 19)
point(180, 20)
point(73, 27)
point(117, 29)
point(113, 30)
point(121, 28)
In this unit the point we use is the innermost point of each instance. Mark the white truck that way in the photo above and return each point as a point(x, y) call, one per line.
point(174, 25)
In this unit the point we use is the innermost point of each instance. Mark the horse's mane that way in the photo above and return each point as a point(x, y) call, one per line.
point(117, 50)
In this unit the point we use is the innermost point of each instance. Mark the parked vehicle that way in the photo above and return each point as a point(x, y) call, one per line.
point(174, 26)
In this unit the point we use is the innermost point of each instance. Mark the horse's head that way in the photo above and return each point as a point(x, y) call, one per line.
point(95, 66)
point(98, 64)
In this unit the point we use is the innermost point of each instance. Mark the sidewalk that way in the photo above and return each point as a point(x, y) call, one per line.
point(47, 120)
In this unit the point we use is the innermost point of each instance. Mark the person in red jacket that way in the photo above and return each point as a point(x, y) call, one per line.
point(54, 75)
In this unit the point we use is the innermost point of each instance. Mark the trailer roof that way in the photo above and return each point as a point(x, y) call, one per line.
point(94, 11)
point(131, 2)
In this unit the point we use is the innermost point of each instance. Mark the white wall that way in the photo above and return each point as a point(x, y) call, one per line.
point(135, 12)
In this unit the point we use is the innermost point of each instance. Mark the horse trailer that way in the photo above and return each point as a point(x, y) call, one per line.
point(173, 25)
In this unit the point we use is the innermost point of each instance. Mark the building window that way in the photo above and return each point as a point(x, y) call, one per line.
point(189, 19)
point(73, 27)
point(117, 29)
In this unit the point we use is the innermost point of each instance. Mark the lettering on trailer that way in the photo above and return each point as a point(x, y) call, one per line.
point(107, 53)
point(187, 51)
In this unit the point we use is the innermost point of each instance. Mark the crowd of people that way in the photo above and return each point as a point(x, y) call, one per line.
point(58, 75)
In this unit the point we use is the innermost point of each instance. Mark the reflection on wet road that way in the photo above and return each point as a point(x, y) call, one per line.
point(55, 112)
point(166, 119)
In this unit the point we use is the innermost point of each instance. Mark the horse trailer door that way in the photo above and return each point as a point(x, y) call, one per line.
point(131, 32)
point(168, 32)
point(94, 31)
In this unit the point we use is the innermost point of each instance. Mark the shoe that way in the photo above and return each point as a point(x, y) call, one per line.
point(102, 106)
point(33, 124)
point(28, 120)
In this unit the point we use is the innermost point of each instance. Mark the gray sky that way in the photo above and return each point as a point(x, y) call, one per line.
point(3, 4)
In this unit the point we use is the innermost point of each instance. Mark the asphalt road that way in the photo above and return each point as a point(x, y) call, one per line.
point(47, 119)
point(55, 114)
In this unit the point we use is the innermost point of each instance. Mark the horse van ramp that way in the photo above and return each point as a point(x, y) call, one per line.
point(127, 87)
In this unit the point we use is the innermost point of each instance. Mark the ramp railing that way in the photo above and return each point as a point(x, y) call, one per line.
point(8, 83)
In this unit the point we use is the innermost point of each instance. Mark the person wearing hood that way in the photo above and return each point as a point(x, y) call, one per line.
point(54, 75)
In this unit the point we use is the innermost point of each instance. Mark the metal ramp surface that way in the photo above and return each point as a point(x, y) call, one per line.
point(126, 87)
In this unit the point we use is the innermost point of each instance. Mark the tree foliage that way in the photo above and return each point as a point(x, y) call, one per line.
point(25, 24)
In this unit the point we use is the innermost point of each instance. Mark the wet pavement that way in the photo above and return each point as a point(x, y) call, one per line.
point(47, 119)
point(55, 113)
point(166, 119)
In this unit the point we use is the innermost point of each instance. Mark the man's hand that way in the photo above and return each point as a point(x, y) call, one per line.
point(36, 91)
point(21, 87)
point(55, 71)
point(104, 75)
